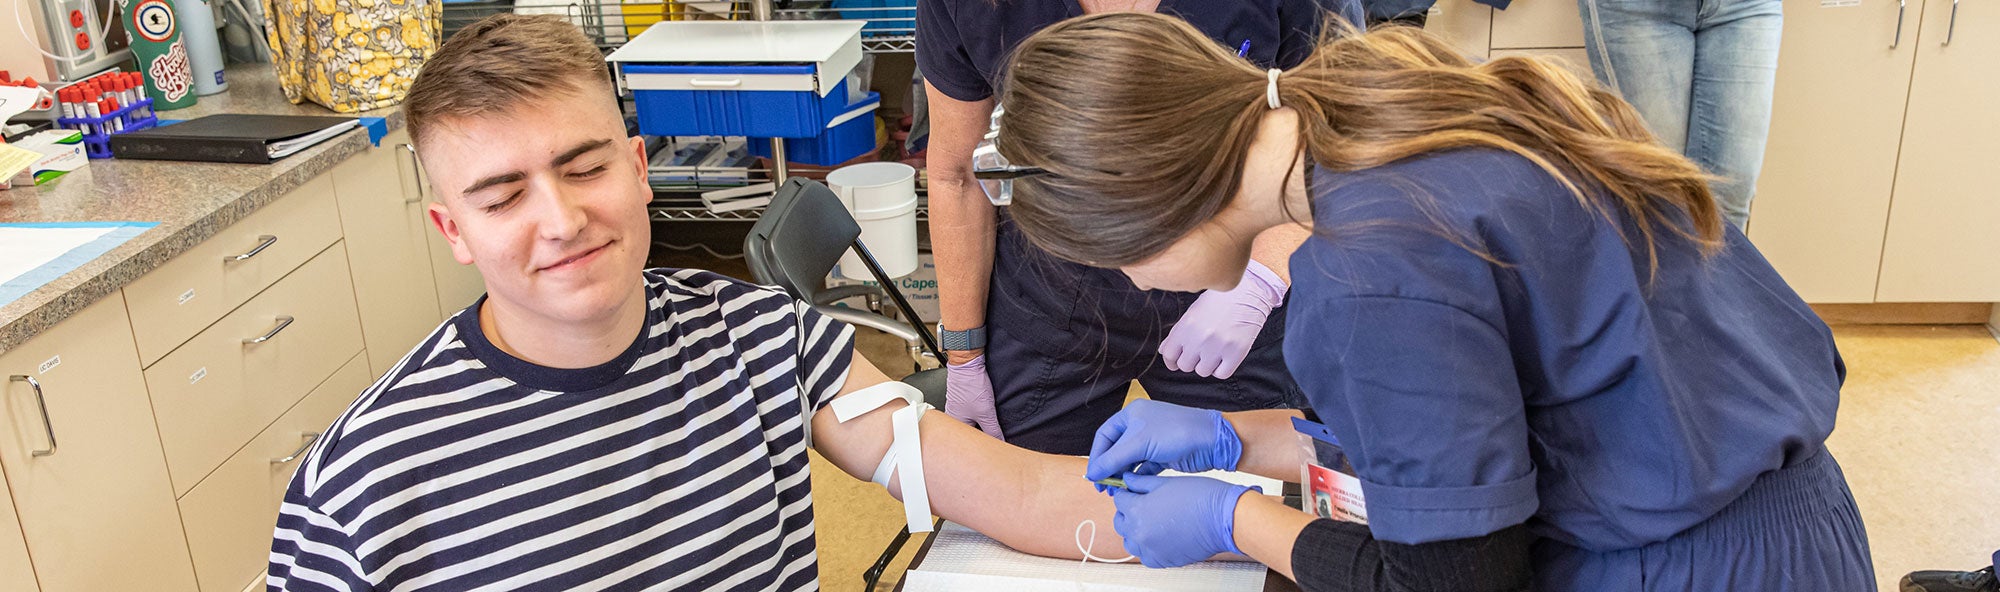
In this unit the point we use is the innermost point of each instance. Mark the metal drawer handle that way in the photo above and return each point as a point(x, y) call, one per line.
point(1953, 27)
point(283, 321)
point(263, 242)
point(311, 437)
point(1900, 4)
point(730, 83)
point(47, 428)
point(416, 174)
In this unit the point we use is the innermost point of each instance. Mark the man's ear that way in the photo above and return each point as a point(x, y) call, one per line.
point(448, 227)
point(638, 144)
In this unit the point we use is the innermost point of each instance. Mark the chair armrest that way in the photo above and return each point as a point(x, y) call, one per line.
point(839, 293)
point(871, 320)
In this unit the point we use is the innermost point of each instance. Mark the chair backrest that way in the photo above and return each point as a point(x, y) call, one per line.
point(800, 237)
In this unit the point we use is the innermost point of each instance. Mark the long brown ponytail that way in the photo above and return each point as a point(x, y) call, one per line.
point(1144, 124)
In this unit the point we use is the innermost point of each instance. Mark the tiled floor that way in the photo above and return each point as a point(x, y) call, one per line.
point(1918, 435)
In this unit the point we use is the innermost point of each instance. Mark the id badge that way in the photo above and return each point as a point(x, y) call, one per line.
point(1331, 489)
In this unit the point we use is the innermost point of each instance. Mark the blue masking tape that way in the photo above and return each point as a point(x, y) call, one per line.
point(377, 127)
point(16, 287)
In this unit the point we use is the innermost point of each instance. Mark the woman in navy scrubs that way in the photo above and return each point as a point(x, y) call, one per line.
point(1044, 350)
point(1551, 364)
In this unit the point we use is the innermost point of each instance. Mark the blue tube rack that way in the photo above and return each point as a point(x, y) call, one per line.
point(98, 144)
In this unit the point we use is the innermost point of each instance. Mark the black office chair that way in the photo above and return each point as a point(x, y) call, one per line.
point(794, 245)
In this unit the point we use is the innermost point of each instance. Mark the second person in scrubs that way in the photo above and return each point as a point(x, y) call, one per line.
point(1042, 351)
point(1551, 363)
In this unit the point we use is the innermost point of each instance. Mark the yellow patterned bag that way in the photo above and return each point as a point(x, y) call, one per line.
point(350, 55)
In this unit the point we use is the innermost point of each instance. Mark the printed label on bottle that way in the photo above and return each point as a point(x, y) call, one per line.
point(154, 20)
point(172, 72)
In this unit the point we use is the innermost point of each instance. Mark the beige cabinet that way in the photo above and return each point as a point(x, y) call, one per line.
point(1836, 123)
point(231, 513)
point(1880, 181)
point(16, 571)
point(82, 459)
point(1466, 24)
point(231, 381)
point(186, 294)
point(149, 438)
point(1548, 28)
point(1538, 24)
point(1943, 242)
point(383, 214)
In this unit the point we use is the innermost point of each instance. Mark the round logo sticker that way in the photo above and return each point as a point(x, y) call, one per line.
point(155, 20)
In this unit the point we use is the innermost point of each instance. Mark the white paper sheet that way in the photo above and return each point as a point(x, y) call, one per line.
point(25, 249)
point(961, 560)
point(1269, 485)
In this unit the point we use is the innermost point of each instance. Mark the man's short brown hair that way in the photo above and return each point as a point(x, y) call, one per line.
point(499, 63)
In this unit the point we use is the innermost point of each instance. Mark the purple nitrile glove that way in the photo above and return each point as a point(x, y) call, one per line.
point(1175, 521)
point(1216, 332)
point(968, 396)
point(1152, 434)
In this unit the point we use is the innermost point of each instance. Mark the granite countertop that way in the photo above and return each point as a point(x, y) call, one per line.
point(191, 201)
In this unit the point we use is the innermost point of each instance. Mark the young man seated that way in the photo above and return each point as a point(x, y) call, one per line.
point(589, 425)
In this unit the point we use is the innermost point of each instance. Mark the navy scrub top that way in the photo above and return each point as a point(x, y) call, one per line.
point(1566, 387)
point(963, 45)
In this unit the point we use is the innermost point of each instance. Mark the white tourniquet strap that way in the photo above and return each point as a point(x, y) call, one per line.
point(906, 454)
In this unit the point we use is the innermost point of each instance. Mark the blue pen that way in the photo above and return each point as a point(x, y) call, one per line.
point(1244, 50)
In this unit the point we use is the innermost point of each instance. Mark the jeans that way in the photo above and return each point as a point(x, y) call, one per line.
point(1700, 72)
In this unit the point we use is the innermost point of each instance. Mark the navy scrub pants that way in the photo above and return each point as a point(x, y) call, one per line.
point(1795, 530)
point(1064, 341)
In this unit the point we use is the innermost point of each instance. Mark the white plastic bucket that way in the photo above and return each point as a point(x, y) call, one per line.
point(882, 196)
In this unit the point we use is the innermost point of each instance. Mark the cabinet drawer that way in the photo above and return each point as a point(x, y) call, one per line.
point(1533, 24)
point(195, 288)
point(1466, 24)
point(217, 391)
point(230, 515)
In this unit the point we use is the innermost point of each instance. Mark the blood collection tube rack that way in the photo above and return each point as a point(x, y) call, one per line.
point(97, 134)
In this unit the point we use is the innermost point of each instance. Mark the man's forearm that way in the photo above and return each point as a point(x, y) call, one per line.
point(1029, 501)
point(1048, 518)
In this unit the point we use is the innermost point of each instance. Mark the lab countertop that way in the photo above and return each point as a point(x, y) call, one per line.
point(191, 201)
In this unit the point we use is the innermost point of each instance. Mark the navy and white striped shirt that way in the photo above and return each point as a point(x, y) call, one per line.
point(679, 465)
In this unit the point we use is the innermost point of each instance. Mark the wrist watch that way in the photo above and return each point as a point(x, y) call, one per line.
point(969, 339)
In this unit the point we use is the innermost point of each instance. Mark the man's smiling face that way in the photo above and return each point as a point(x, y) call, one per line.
point(548, 200)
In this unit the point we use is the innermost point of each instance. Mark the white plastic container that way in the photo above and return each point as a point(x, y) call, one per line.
point(204, 49)
point(882, 196)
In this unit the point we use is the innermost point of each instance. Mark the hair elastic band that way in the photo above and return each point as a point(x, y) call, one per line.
point(1271, 87)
